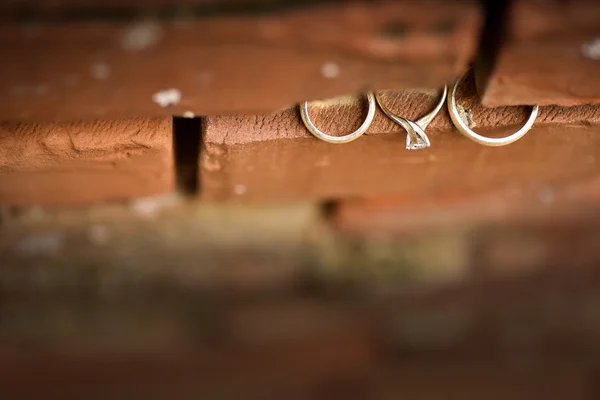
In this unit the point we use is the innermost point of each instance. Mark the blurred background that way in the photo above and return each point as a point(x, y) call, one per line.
point(170, 229)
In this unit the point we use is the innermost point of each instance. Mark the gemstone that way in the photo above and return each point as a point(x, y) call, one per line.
point(416, 144)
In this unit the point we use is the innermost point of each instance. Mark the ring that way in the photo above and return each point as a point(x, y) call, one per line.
point(486, 141)
point(339, 139)
point(415, 130)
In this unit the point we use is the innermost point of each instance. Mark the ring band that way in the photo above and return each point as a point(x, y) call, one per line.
point(340, 139)
point(486, 141)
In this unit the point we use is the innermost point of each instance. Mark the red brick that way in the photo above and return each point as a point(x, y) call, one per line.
point(224, 59)
point(460, 379)
point(85, 162)
point(547, 57)
point(274, 158)
point(410, 213)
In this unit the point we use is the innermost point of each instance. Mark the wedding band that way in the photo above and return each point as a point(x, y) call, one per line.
point(486, 141)
point(339, 139)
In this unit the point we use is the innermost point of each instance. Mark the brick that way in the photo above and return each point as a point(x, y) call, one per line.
point(275, 359)
point(294, 170)
point(261, 372)
point(519, 321)
point(405, 213)
point(272, 258)
point(571, 244)
point(274, 158)
point(550, 55)
point(339, 116)
point(219, 58)
point(510, 338)
point(467, 379)
point(84, 162)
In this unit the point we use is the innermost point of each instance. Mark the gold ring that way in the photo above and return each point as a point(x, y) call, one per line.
point(486, 141)
point(415, 130)
point(339, 139)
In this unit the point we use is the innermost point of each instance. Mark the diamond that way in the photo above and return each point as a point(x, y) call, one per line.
point(417, 144)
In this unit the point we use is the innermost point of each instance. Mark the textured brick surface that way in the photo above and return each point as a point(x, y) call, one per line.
point(274, 158)
point(339, 116)
point(251, 56)
point(85, 162)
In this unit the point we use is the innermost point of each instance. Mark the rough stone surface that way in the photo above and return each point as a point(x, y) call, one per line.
point(84, 162)
point(550, 55)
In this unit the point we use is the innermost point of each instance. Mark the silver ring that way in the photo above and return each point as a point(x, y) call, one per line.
point(339, 139)
point(483, 140)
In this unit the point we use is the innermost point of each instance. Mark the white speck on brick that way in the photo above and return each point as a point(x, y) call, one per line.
point(100, 71)
point(546, 194)
point(591, 49)
point(210, 163)
point(141, 35)
point(34, 213)
point(330, 70)
point(323, 162)
point(98, 235)
point(71, 80)
point(150, 206)
point(41, 89)
point(240, 189)
point(188, 114)
point(205, 78)
point(41, 244)
point(466, 116)
point(168, 97)
point(18, 90)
